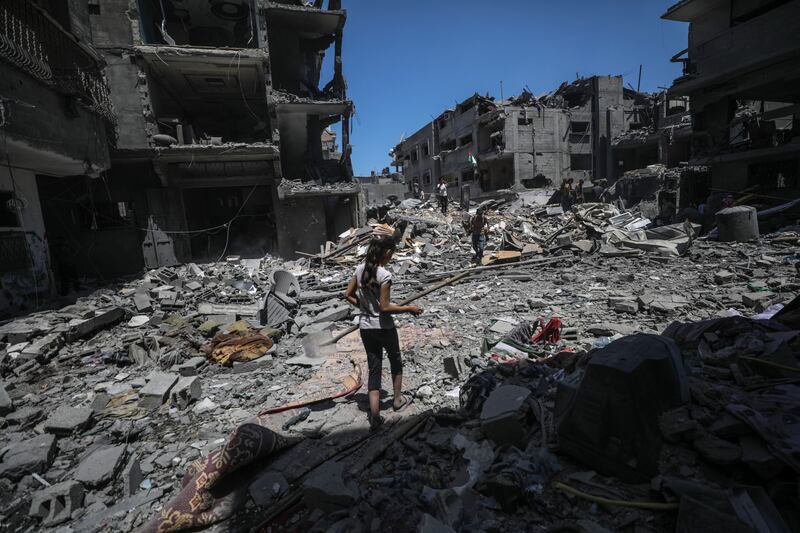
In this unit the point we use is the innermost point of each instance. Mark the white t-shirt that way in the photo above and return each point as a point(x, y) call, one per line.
point(369, 300)
point(442, 189)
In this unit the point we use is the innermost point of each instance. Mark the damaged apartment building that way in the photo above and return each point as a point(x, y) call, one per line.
point(484, 145)
point(741, 72)
point(219, 112)
point(728, 125)
point(56, 121)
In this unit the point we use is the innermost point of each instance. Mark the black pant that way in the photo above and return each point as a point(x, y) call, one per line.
point(443, 204)
point(375, 341)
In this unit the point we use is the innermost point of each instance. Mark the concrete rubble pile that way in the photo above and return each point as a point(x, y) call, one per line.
point(594, 374)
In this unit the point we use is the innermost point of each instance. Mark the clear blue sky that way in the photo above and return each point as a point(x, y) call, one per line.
point(406, 61)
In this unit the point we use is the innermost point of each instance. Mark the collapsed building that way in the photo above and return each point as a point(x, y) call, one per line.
point(219, 114)
point(484, 145)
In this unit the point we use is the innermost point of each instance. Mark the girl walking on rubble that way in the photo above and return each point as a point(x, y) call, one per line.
point(370, 290)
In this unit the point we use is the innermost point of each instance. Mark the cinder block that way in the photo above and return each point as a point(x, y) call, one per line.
point(185, 391)
point(156, 392)
point(55, 504)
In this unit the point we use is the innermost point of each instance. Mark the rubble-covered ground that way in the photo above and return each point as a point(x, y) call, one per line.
point(106, 404)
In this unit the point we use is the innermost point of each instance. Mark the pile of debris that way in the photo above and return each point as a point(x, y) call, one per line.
point(561, 383)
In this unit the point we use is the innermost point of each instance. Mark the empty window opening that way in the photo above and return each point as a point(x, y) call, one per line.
point(94, 7)
point(426, 179)
point(465, 140)
point(580, 161)
point(579, 132)
point(426, 150)
point(449, 144)
point(415, 154)
point(524, 121)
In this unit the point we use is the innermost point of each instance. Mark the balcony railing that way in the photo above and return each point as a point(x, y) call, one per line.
point(33, 42)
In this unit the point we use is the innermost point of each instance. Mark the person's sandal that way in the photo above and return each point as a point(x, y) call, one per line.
point(375, 423)
point(406, 403)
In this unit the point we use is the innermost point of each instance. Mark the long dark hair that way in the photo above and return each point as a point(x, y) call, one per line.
point(377, 250)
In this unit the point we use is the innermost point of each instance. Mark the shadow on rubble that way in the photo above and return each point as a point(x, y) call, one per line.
point(531, 443)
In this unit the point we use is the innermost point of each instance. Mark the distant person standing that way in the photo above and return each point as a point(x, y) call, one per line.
point(441, 192)
point(579, 192)
point(566, 194)
point(479, 227)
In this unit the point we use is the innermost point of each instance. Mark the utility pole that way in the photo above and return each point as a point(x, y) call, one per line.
point(639, 83)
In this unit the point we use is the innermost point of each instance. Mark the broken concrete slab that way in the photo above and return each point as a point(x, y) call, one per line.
point(100, 466)
point(66, 420)
point(132, 476)
point(722, 277)
point(44, 348)
point(326, 489)
point(156, 392)
point(30, 456)
point(759, 299)
point(185, 391)
point(624, 305)
point(143, 303)
point(101, 319)
point(56, 503)
point(191, 366)
point(333, 314)
point(24, 417)
point(6, 404)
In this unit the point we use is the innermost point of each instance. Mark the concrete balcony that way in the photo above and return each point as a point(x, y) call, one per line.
point(766, 41)
point(56, 105)
point(36, 44)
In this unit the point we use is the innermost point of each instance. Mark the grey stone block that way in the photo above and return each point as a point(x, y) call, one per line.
point(66, 420)
point(31, 456)
point(504, 414)
point(185, 391)
point(55, 504)
point(156, 392)
point(100, 466)
point(191, 366)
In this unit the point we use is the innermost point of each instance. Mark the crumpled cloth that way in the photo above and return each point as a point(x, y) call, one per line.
point(197, 505)
point(225, 348)
point(212, 486)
